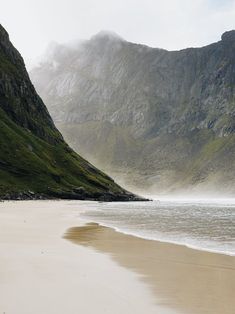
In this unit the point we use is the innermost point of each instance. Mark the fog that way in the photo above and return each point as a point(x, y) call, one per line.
point(170, 24)
point(194, 199)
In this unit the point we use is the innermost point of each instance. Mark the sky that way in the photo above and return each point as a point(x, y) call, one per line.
point(169, 24)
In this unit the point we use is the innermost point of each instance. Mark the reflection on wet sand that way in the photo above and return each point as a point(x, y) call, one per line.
point(184, 279)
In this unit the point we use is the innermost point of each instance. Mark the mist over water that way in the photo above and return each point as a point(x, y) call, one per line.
point(205, 225)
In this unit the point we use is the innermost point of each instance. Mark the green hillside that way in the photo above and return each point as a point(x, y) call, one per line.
point(35, 162)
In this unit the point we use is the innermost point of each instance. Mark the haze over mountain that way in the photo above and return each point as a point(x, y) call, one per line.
point(34, 159)
point(157, 120)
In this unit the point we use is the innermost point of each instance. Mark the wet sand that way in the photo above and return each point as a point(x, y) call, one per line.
point(42, 273)
point(185, 280)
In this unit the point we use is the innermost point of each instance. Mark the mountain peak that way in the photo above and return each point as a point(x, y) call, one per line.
point(107, 35)
point(228, 36)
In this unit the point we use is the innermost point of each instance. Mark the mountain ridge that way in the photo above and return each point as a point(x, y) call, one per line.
point(166, 118)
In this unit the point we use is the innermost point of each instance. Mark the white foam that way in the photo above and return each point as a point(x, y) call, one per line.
point(218, 243)
point(146, 237)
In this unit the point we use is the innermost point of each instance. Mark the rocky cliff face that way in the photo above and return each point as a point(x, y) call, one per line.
point(165, 119)
point(34, 159)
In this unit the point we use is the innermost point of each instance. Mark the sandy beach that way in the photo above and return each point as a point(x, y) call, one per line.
point(40, 272)
point(51, 263)
point(184, 279)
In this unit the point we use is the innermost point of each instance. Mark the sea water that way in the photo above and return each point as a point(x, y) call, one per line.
point(202, 225)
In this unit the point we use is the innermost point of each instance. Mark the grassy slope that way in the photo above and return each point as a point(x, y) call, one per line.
point(29, 163)
point(33, 154)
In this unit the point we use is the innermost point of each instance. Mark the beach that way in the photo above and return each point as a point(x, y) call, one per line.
point(187, 280)
point(52, 262)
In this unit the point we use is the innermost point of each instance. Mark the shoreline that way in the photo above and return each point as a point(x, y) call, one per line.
point(87, 221)
point(40, 272)
point(207, 280)
point(102, 270)
point(78, 194)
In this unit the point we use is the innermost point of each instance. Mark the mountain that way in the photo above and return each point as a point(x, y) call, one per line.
point(155, 119)
point(35, 161)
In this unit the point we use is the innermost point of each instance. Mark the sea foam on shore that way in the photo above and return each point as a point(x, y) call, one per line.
point(207, 226)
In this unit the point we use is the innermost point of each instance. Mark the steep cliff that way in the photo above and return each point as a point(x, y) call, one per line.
point(162, 119)
point(34, 159)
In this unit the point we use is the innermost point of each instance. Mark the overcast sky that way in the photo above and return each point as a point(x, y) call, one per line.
point(170, 24)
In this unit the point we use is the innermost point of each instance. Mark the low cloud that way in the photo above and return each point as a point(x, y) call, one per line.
point(170, 24)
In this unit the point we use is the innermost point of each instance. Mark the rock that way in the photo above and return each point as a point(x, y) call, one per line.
point(228, 36)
